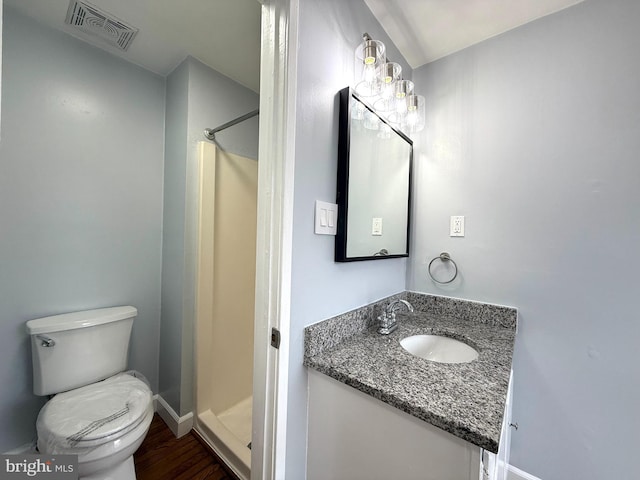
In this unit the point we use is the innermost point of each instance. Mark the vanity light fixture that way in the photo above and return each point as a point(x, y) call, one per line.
point(379, 82)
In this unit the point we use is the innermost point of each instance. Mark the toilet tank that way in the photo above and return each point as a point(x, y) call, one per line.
point(75, 349)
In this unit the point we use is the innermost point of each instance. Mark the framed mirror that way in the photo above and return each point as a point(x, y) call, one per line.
point(374, 184)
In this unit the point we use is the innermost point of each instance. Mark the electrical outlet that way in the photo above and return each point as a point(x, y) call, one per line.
point(456, 228)
point(376, 226)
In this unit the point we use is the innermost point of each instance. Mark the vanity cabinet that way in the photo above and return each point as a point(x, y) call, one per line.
point(377, 411)
point(355, 436)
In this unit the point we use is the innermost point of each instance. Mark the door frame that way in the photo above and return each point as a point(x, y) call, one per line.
point(274, 236)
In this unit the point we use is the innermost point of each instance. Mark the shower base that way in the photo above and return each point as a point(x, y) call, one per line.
point(238, 420)
point(229, 435)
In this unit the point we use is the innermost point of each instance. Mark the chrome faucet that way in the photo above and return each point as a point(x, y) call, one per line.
point(387, 320)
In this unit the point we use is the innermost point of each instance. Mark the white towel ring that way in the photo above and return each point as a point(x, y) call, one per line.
point(443, 257)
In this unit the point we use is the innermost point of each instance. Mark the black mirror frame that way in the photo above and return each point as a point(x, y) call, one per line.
point(342, 191)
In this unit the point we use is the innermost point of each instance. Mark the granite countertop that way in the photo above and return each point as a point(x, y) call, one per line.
point(466, 399)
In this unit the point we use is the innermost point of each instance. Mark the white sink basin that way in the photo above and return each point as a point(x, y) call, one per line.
point(439, 349)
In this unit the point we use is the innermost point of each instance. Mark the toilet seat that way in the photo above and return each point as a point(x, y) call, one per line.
point(93, 415)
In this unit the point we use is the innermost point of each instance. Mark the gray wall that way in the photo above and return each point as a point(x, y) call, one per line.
point(173, 235)
point(329, 32)
point(80, 200)
point(534, 137)
point(198, 97)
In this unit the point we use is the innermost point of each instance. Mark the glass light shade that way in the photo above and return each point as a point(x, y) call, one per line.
point(369, 57)
point(390, 73)
point(415, 118)
point(403, 89)
point(389, 76)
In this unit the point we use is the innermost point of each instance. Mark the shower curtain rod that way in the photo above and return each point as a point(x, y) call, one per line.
point(210, 133)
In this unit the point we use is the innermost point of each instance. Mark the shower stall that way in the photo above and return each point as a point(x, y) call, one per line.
point(225, 299)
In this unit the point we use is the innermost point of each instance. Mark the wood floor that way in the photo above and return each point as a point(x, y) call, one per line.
point(164, 457)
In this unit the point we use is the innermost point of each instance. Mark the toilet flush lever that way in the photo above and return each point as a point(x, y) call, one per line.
point(46, 341)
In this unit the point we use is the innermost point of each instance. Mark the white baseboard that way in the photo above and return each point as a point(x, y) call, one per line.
point(514, 473)
point(180, 426)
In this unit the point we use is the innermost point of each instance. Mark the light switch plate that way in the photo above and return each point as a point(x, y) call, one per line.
point(326, 218)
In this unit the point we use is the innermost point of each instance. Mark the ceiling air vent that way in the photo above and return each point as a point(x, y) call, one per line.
point(98, 23)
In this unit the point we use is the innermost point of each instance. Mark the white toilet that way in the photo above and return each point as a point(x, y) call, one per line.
point(102, 414)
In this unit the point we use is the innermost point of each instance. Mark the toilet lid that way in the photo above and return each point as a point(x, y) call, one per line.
point(95, 414)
